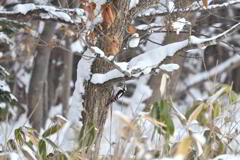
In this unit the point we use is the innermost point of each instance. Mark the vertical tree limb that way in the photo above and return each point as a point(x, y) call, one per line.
point(39, 76)
point(68, 61)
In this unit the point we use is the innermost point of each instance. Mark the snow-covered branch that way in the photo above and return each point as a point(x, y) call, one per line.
point(154, 59)
point(31, 11)
point(192, 9)
point(229, 64)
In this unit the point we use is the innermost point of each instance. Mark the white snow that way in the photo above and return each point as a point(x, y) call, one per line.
point(77, 46)
point(4, 86)
point(79, 11)
point(83, 75)
point(133, 3)
point(200, 138)
point(51, 12)
point(198, 41)
point(122, 65)
point(24, 8)
point(61, 15)
point(99, 78)
point(98, 51)
point(14, 156)
point(171, 6)
point(169, 67)
point(152, 58)
point(25, 79)
point(134, 40)
point(4, 38)
point(31, 153)
point(41, 2)
point(146, 26)
point(179, 24)
point(153, 11)
point(140, 64)
point(227, 157)
point(7, 128)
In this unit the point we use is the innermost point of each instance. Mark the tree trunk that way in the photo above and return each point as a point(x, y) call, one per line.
point(39, 76)
point(96, 97)
point(68, 62)
point(96, 109)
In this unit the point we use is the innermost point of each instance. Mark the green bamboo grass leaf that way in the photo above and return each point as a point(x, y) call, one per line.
point(51, 143)
point(221, 148)
point(11, 144)
point(42, 149)
point(232, 97)
point(29, 144)
point(19, 136)
point(4, 75)
point(57, 156)
point(161, 112)
point(216, 110)
point(52, 130)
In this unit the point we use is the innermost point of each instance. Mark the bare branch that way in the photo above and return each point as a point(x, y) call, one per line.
point(141, 6)
point(189, 10)
point(229, 64)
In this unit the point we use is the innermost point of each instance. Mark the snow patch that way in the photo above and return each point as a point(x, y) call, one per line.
point(98, 51)
point(134, 40)
point(99, 78)
point(152, 58)
point(83, 75)
point(4, 87)
point(133, 3)
point(179, 24)
point(227, 157)
point(122, 65)
point(171, 6)
point(24, 8)
point(146, 26)
point(77, 46)
point(169, 67)
point(62, 15)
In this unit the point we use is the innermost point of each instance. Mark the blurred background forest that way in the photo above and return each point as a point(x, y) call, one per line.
point(40, 51)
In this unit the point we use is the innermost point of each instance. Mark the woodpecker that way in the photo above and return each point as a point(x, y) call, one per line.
point(118, 95)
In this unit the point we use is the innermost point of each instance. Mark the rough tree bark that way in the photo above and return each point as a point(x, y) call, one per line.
point(39, 77)
point(96, 97)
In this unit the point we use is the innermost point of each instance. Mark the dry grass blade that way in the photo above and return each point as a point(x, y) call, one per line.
point(196, 112)
point(153, 121)
point(183, 147)
point(126, 120)
point(205, 3)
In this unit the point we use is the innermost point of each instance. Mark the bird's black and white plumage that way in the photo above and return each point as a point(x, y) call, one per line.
point(118, 95)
